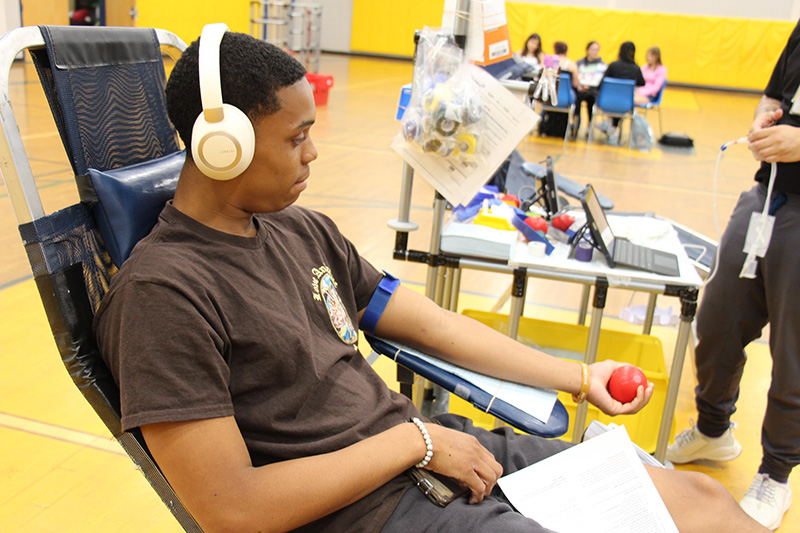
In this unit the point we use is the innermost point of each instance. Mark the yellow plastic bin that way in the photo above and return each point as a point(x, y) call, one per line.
point(569, 341)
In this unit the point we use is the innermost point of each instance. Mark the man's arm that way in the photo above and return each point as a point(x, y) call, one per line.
point(413, 319)
point(208, 465)
point(773, 144)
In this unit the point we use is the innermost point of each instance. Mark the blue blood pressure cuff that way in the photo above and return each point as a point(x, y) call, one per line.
point(376, 305)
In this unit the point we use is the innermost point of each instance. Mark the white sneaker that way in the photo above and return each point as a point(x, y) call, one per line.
point(767, 501)
point(692, 445)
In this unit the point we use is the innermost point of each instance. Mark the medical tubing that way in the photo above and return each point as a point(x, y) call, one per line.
point(751, 253)
point(764, 213)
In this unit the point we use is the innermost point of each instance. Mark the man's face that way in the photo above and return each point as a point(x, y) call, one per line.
point(280, 167)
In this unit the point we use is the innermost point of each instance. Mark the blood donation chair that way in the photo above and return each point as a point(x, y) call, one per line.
point(105, 88)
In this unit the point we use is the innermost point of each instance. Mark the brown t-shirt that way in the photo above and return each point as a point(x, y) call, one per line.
point(202, 324)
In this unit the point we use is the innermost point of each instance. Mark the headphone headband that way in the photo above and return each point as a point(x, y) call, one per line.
point(209, 66)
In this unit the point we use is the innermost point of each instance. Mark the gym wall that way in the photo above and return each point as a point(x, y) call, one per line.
point(698, 49)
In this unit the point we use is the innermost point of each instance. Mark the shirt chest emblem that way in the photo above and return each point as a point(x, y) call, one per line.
point(325, 290)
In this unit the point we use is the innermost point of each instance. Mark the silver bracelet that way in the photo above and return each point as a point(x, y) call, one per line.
point(428, 443)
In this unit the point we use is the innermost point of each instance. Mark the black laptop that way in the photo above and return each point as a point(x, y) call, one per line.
point(620, 251)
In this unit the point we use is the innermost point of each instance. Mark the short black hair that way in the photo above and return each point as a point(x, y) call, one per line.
point(251, 73)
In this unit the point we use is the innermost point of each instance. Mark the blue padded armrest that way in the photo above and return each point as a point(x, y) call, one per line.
point(129, 200)
point(555, 427)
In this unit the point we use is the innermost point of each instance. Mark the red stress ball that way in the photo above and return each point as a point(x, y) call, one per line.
point(624, 381)
point(563, 222)
point(537, 223)
point(510, 199)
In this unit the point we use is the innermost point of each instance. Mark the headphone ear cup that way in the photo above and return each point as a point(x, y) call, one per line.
point(223, 150)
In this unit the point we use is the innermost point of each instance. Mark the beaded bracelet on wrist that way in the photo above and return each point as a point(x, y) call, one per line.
point(428, 442)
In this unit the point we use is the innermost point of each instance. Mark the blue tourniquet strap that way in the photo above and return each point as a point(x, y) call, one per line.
point(374, 310)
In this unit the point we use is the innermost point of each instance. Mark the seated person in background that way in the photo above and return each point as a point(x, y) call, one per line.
point(590, 71)
point(232, 333)
point(655, 74)
point(532, 51)
point(555, 124)
point(624, 68)
point(565, 64)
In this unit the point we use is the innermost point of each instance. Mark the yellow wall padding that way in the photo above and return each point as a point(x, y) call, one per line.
point(186, 18)
point(711, 51)
point(381, 27)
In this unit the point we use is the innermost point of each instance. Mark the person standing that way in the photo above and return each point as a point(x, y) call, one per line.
point(735, 309)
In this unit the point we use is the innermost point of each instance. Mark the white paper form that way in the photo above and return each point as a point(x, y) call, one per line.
point(507, 120)
point(536, 402)
point(599, 485)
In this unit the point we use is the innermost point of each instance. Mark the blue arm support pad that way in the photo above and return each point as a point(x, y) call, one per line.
point(376, 305)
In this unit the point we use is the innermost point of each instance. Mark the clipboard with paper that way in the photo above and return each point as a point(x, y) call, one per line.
point(457, 151)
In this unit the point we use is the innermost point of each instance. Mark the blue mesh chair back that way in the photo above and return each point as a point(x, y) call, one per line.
point(105, 87)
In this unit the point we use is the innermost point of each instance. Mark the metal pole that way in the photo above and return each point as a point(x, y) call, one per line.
point(688, 309)
point(517, 301)
point(584, 308)
point(402, 223)
point(461, 23)
point(593, 339)
point(648, 316)
point(456, 287)
point(439, 205)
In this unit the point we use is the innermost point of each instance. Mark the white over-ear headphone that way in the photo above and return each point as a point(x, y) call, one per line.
point(223, 140)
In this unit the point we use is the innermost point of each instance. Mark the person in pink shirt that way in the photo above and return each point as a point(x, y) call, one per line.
point(655, 74)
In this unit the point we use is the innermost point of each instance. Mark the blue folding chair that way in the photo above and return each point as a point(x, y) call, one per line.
point(615, 99)
point(655, 104)
point(566, 101)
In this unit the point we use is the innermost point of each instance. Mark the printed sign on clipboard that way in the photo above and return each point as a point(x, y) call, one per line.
point(459, 181)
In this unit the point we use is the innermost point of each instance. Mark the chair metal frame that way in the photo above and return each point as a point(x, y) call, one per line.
point(655, 104)
point(61, 293)
point(612, 101)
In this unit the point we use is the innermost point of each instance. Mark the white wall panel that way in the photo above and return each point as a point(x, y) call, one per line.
point(337, 16)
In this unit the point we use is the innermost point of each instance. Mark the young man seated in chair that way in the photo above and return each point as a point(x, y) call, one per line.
point(231, 331)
